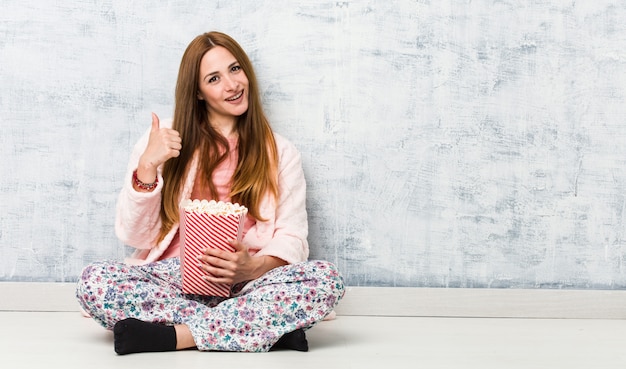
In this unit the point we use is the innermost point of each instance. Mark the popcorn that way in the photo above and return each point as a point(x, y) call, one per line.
point(213, 207)
point(206, 224)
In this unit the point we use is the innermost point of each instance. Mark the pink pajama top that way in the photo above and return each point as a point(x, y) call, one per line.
point(283, 234)
point(223, 180)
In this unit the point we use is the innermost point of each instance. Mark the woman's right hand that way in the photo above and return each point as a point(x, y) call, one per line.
point(163, 144)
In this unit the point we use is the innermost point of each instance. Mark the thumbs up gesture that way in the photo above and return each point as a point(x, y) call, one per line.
point(163, 144)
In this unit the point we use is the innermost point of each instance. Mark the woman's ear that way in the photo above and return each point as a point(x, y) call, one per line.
point(199, 96)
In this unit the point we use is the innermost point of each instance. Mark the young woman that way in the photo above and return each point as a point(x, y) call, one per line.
point(219, 145)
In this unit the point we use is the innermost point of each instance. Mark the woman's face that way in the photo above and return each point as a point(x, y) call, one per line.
point(223, 85)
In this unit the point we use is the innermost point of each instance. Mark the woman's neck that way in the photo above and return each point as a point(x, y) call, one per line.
point(225, 128)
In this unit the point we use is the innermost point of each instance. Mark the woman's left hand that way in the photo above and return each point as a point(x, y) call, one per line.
point(230, 267)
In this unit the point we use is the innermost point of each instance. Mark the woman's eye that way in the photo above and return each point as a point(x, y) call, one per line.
point(212, 79)
point(236, 68)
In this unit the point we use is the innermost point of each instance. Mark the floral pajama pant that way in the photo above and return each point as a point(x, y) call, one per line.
point(253, 319)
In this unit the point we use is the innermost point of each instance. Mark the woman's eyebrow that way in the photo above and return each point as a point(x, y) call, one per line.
point(217, 72)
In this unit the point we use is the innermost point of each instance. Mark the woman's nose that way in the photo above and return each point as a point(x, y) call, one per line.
point(230, 83)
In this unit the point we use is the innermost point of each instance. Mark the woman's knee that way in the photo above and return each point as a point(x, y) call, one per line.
point(329, 272)
point(93, 274)
point(94, 278)
point(330, 284)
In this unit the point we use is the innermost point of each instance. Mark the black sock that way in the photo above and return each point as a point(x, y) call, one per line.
point(295, 340)
point(132, 335)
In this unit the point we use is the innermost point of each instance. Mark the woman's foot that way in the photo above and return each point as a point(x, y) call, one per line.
point(295, 340)
point(132, 335)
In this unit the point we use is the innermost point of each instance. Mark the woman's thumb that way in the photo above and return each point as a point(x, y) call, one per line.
point(155, 122)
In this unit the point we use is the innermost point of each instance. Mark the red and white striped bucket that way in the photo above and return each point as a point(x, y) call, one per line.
point(199, 231)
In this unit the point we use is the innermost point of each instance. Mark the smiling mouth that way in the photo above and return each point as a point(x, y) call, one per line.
point(235, 97)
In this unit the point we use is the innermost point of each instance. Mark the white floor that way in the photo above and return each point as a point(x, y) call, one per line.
point(66, 340)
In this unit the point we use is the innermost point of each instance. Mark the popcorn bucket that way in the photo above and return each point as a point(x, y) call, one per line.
point(206, 224)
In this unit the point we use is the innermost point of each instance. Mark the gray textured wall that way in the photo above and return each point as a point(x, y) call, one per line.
point(446, 143)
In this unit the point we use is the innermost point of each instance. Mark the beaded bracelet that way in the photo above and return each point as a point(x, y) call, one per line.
point(142, 185)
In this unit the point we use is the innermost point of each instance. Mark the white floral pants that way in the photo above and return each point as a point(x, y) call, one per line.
point(283, 300)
